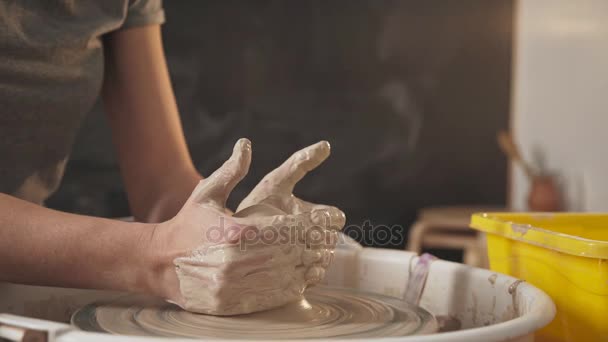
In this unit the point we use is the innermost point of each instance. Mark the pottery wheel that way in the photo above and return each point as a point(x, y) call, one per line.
point(325, 313)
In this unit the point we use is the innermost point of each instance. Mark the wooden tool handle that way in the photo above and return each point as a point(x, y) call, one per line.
point(508, 146)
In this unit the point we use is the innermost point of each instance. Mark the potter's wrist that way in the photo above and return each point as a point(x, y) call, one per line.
point(158, 271)
point(134, 271)
point(119, 253)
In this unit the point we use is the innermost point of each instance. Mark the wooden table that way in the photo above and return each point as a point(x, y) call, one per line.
point(448, 227)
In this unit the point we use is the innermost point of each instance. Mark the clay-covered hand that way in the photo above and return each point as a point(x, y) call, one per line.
point(275, 190)
point(212, 262)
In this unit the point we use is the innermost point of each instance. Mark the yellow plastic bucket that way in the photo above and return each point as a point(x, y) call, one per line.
point(565, 255)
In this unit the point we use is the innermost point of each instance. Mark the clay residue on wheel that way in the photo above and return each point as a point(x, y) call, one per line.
point(325, 313)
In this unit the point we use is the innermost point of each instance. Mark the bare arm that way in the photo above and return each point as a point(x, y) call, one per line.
point(157, 169)
point(40, 246)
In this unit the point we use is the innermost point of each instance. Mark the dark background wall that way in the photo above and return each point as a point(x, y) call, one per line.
point(409, 93)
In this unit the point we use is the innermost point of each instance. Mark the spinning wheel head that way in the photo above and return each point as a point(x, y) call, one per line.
point(325, 313)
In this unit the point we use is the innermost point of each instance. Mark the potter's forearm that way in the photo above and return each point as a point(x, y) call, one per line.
point(40, 246)
point(146, 128)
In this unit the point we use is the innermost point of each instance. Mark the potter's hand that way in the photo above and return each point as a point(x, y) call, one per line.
point(215, 263)
point(276, 188)
point(276, 191)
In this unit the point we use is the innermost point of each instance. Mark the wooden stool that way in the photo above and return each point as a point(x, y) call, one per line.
point(448, 228)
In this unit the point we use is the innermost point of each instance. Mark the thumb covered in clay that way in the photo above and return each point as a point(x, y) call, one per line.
point(215, 189)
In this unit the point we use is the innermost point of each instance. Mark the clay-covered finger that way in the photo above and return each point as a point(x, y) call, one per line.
point(287, 228)
point(326, 221)
point(217, 187)
point(298, 165)
point(314, 275)
point(334, 218)
point(327, 258)
point(313, 230)
point(311, 256)
point(290, 203)
point(329, 217)
point(283, 179)
point(287, 203)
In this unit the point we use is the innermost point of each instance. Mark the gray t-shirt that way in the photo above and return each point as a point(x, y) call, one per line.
point(51, 71)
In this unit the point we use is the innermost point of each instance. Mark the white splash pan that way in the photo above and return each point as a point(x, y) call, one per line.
point(480, 300)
